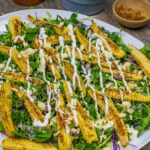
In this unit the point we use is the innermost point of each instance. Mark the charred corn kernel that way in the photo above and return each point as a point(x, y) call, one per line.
point(79, 82)
point(6, 109)
point(55, 39)
point(21, 78)
point(130, 76)
point(115, 93)
point(61, 100)
point(23, 144)
point(114, 116)
point(54, 70)
point(15, 27)
point(60, 30)
point(33, 110)
point(66, 90)
point(117, 52)
point(84, 41)
point(21, 62)
point(64, 138)
point(36, 43)
point(141, 59)
point(86, 126)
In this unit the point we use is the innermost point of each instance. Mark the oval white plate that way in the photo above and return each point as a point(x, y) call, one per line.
point(145, 137)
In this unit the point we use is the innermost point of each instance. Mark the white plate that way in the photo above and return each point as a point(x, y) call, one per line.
point(145, 137)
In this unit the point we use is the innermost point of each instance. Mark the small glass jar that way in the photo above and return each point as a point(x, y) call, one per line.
point(28, 2)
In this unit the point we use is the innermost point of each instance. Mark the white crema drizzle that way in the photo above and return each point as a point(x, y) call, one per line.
point(54, 73)
point(38, 123)
point(73, 101)
point(99, 42)
point(117, 64)
point(10, 57)
point(73, 61)
point(28, 81)
point(101, 78)
point(42, 36)
point(61, 41)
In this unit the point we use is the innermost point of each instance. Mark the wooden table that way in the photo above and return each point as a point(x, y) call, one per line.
point(142, 34)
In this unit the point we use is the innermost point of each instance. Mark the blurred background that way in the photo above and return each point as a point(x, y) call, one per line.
point(105, 14)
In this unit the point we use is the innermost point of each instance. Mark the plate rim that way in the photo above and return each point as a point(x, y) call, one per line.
point(139, 43)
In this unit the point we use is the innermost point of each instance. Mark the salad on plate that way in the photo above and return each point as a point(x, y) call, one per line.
point(65, 85)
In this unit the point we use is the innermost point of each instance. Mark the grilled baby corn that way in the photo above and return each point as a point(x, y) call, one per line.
point(115, 93)
point(69, 72)
point(64, 138)
point(85, 57)
point(40, 22)
point(117, 52)
point(34, 111)
point(53, 68)
point(6, 109)
point(21, 62)
point(15, 27)
point(112, 115)
point(21, 78)
point(86, 127)
point(130, 76)
point(22, 144)
point(141, 59)
point(53, 40)
point(84, 41)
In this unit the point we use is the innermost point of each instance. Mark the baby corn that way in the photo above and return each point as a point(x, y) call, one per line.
point(21, 62)
point(64, 138)
point(23, 144)
point(70, 71)
point(141, 59)
point(86, 127)
point(84, 41)
point(33, 110)
point(40, 22)
point(6, 109)
point(117, 52)
point(115, 93)
point(15, 27)
point(130, 76)
point(112, 115)
point(53, 40)
point(21, 78)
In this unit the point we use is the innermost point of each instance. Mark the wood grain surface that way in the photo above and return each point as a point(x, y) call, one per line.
point(142, 34)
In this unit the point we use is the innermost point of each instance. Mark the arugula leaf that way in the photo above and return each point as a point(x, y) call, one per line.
point(35, 61)
point(41, 137)
point(50, 31)
point(6, 39)
point(30, 35)
point(1, 126)
point(73, 19)
point(3, 57)
point(146, 50)
point(92, 110)
point(118, 40)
